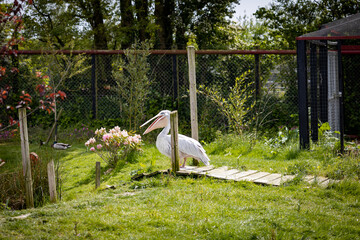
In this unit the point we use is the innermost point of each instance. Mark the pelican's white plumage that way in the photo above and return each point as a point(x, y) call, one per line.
point(188, 147)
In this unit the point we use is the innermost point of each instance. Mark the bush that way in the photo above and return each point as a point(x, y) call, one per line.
point(114, 145)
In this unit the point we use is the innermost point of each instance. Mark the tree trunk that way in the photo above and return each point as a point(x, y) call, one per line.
point(163, 18)
point(100, 40)
point(142, 15)
point(127, 21)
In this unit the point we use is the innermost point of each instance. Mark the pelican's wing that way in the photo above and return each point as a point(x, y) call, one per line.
point(192, 148)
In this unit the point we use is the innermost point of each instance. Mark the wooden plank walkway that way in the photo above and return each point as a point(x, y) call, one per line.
point(258, 177)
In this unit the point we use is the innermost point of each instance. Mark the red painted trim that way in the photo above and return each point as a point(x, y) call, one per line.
point(350, 47)
point(350, 52)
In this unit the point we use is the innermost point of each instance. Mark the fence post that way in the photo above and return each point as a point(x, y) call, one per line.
point(26, 158)
point(97, 180)
point(323, 81)
point(52, 182)
point(193, 100)
point(302, 91)
point(313, 92)
point(174, 141)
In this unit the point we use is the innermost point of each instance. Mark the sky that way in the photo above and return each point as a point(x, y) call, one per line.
point(249, 7)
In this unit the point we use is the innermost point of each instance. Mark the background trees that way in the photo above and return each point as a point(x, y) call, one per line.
point(290, 19)
point(109, 24)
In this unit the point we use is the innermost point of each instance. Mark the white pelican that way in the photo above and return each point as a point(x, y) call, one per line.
point(188, 147)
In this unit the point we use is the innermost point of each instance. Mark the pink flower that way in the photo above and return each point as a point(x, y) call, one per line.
point(124, 133)
point(99, 146)
point(92, 149)
point(106, 137)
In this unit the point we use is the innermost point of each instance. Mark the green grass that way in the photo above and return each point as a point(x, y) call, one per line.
point(167, 207)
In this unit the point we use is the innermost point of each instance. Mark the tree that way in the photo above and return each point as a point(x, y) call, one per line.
point(290, 19)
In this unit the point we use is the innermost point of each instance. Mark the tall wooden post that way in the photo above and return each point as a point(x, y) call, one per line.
point(97, 180)
point(193, 100)
point(52, 182)
point(26, 158)
point(174, 141)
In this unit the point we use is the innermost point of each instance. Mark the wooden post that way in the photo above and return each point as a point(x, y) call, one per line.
point(52, 182)
point(26, 158)
point(193, 100)
point(97, 180)
point(174, 141)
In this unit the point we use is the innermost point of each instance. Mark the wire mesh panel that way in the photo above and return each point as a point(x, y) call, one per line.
point(111, 86)
point(333, 91)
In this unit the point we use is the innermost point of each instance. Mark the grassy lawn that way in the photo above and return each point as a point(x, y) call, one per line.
point(167, 207)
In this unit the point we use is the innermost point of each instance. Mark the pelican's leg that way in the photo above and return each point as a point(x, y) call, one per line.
point(183, 165)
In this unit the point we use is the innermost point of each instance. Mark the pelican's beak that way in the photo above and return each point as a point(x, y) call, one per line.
point(159, 122)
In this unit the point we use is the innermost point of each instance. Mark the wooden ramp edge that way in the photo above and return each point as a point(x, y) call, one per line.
point(258, 177)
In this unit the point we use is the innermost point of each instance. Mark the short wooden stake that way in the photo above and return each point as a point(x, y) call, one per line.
point(174, 141)
point(193, 100)
point(52, 182)
point(25, 153)
point(97, 181)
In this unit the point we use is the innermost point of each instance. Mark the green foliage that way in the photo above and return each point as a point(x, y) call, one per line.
point(132, 83)
point(284, 136)
point(290, 19)
point(237, 105)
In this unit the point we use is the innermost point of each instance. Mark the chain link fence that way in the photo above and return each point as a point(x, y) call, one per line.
point(93, 88)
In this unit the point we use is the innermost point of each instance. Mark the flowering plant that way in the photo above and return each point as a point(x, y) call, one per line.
point(114, 145)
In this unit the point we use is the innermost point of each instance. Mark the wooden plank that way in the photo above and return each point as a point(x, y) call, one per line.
point(325, 183)
point(253, 177)
point(97, 174)
point(174, 141)
point(268, 178)
point(216, 170)
point(283, 179)
point(188, 168)
point(309, 179)
point(26, 158)
point(223, 174)
point(241, 174)
point(320, 179)
point(202, 169)
point(51, 180)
